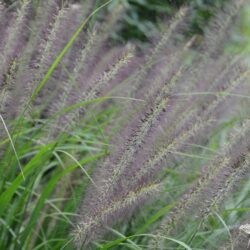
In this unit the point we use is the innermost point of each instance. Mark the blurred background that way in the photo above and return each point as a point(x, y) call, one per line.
point(143, 16)
point(143, 19)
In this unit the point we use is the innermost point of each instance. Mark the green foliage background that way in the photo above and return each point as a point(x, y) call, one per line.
point(143, 16)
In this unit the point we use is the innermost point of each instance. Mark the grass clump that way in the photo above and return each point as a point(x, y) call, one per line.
point(93, 135)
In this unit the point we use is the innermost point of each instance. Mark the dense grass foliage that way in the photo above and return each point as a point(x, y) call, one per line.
point(106, 147)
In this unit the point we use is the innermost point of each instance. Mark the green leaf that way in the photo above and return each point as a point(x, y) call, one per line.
point(26, 234)
point(28, 169)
